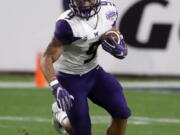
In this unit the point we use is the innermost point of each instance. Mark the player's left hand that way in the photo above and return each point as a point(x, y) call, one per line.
point(63, 98)
point(117, 50)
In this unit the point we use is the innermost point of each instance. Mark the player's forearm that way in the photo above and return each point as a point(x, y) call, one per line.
point(51, 54)
point(48, 69)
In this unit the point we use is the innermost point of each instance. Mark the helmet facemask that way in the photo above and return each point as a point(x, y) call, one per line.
point(85, 8)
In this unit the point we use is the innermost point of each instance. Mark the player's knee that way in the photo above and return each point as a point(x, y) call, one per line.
point(123, 113)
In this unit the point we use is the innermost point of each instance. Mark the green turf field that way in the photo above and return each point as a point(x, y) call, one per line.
point(27, 111)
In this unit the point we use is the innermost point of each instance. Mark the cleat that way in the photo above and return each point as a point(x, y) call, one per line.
point(58, 117)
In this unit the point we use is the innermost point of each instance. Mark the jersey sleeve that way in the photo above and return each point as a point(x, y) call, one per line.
point(115, 13)
point(64, 33)
point(110, 11)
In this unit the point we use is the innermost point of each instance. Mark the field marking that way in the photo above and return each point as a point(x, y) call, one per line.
point(126, 85)
point(17, 84)
point(152, 84)
point(98, 120)
point(158, 120)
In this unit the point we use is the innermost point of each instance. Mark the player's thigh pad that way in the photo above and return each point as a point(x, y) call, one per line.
point(108, 93)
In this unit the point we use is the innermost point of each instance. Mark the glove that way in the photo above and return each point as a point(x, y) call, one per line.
point(117, 50)
point(63, 98)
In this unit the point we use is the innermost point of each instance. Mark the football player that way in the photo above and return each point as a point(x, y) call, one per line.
point(78, 76)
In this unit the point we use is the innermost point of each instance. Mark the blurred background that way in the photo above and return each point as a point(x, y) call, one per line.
point(150, 74)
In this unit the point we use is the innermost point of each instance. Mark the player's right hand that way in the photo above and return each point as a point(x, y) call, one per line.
point(113, 42)
point(119, 50)
point(63, 98)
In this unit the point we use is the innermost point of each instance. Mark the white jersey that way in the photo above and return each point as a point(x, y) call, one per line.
point(80, 56)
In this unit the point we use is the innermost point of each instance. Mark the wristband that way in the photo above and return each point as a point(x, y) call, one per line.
point(54, 82)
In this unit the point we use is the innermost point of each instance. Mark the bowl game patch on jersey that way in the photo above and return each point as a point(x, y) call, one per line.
point(111, 15)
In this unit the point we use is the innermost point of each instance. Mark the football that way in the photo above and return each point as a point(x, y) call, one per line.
point(113, 34)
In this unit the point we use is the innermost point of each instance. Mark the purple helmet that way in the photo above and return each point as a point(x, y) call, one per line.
point(85, 8)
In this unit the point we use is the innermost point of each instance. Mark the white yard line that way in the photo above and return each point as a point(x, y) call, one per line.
point(126, 85)
point(16, 118)
point(152, 84)
point(98, 120)
point(157, 120)
point(17, 84)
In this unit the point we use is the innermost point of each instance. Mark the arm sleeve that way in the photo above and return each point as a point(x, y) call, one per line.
point(63, 32)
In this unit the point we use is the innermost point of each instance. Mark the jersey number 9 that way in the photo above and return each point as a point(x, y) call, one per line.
point(92, 51)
